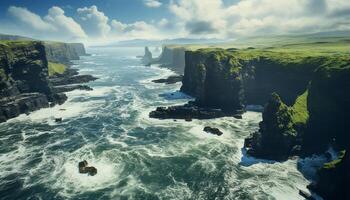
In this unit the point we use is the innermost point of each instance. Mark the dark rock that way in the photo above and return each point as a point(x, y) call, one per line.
point(58, 119)
point(238, 116)
point(334, 178)
point(169, 80)
point(92, 171)
point(11, 107)
point(85, 169)
point(68, 88)
point(306, 195)
point(188, 111)
point(188, 119)
point(276, 136)
point(211, 130)
point(68, 80)
point(82, 166)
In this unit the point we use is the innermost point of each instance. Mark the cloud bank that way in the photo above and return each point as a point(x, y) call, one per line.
point(189, 18)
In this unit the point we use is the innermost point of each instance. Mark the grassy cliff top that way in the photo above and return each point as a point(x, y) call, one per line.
point(13, 43)
point(335, 54)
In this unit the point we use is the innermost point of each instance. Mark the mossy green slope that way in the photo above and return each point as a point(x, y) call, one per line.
point(56, 68)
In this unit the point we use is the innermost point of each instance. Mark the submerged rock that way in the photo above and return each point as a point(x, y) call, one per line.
point(169, 80)
point(85, 169)
point(214, 131)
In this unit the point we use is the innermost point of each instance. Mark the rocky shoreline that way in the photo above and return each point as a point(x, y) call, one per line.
point(25, 85)
point(306, 99)
point(191, 111)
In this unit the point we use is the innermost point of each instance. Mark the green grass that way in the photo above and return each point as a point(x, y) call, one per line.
point(300, 114)
point(334, 163)
point(56, 68)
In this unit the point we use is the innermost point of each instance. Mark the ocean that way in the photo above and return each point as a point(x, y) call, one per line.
point(136, 157)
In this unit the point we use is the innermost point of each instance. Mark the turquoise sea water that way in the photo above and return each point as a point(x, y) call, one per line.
point(136, 157)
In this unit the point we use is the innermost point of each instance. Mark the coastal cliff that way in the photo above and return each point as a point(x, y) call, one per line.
point(35, 74)
point(24, 84)
point(231, 79)
point(172, 57)
point(305, 96)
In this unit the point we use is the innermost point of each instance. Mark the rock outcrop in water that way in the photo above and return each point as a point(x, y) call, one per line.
point(170, 80)
point(211, 130)
point(188, 111)
point(85, 169)
point(276, 137)
point(147, 58)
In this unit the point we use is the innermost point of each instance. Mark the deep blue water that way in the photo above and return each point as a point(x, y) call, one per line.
point(136, 157)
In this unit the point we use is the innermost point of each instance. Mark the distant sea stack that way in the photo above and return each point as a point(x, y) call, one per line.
point(172, 57)
point(147, 58)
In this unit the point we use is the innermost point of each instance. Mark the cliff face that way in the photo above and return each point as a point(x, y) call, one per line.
point(61, 52)
point(236, 78)
point(172, 58)
point(334, 178)
point(24, 84)
point(328, 106)
point(214, 80)
point(78, 48)
point(276, 137)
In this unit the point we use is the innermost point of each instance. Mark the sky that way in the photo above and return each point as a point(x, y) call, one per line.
point(105, 21)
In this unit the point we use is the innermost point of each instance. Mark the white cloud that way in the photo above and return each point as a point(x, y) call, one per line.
point(31, 19)
point(94, 22)
point(63, 23)
point(152, 3)
point(249, 17)
point(55, 25)
point(163, 22)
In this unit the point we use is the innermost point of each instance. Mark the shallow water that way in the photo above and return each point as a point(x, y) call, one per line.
point(136, 157)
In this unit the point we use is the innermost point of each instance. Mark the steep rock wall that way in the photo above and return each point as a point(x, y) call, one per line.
point(235, 78)
point(61, 52)
point(172, 58)
point(24, 84)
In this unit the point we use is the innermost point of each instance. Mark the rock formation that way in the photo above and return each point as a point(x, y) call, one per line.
point(169, 80)
point(147, 58)
point(214, 131)
point(24, 81)
point(85, 169)
point(172, 57)
point(276, 137)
